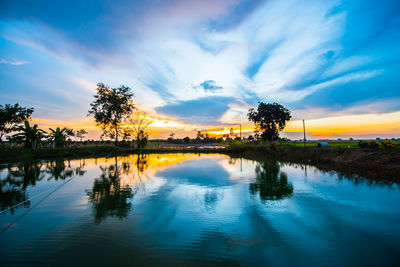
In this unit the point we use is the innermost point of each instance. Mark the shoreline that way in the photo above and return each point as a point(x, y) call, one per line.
point(376, 164)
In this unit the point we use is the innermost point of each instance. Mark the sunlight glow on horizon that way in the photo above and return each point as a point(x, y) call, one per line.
point(357, 126)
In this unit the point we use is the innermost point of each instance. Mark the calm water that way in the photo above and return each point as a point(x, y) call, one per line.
point(190, 209)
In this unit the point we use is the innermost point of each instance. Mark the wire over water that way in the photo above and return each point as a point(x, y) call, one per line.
point(16, 220)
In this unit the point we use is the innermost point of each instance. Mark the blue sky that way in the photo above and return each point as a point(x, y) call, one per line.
point(203, 63)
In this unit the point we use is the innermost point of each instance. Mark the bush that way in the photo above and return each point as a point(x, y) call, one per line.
point(368, 144)
point(390, 144)
point(124, 143)
point(363, 144)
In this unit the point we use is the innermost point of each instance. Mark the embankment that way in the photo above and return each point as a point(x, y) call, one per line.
point(371, 163)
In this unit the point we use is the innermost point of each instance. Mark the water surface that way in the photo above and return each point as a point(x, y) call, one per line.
point(191, 209)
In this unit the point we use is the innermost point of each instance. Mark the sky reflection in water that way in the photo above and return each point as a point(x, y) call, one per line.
point(193, 209)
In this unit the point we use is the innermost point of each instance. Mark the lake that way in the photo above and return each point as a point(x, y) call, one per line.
point(194, 209)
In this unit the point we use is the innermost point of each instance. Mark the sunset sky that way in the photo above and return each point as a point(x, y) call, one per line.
point(201, 64)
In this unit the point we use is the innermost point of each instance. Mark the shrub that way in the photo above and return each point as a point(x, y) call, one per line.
point(363, 144)
point(390, 144)
point(368, 144)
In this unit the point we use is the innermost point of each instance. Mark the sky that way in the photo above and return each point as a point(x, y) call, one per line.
point(201, 64)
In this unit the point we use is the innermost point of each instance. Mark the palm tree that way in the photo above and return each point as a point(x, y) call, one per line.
point(30, 136)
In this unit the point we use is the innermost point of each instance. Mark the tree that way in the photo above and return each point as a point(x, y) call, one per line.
point(111, 107)
point(231, 132)
point(11, 116)
point(138, 123)
point(269, 119)
point(30, 136)
point(142, 139)
point(81, 134)
point(59, 136)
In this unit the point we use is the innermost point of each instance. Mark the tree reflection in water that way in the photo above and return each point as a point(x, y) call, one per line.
point(270, 183)
point(13, 188)
point(108, 195)
point(58, 170)
point(18, 178)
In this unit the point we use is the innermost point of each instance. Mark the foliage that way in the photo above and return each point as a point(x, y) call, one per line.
point(30, 136)
point(391, 144)
point(269, 119)
point(11, 116)
point(368, 144)
point(81, 134)
point(111, 107)
point(59, 136)
point(231, 132)
point(138, 123)
point(142, 139)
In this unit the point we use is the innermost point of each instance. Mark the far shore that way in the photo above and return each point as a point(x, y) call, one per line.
point(378, 164)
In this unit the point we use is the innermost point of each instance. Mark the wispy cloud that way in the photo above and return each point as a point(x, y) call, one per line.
point(13, 62)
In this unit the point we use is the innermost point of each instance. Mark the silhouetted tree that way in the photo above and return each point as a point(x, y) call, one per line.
point(231, 132)
point(142, 139)
point(81, 134)
point(30, 136)
point(138, 123)
point(111, 107)
point(11, 116)
point(269, 119)
point(59, 136)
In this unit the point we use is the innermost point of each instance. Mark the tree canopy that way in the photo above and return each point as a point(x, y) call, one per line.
point(60, 135)
point(137, 126)
point(11, 116)
point(31, 136)
point(111, 107)
point(269, 119)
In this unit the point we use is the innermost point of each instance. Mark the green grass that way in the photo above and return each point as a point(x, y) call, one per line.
point(341, 144)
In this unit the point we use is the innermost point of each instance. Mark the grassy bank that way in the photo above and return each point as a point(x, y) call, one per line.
point(371, 163)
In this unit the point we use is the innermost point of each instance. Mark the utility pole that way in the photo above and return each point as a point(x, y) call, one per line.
point(240, 132)
point(304, 131)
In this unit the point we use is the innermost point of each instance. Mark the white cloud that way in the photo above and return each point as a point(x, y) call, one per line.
point(16, 62)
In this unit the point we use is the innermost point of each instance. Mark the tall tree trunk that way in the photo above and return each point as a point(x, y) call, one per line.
point(116, 134)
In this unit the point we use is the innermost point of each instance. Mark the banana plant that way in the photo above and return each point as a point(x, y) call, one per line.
point(30, 136)
point(59, 136)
